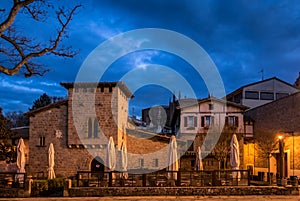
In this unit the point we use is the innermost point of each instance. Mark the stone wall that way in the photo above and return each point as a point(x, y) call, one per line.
point(68, 160)
point(79, 128)
point(181, 191)
point(84, 104)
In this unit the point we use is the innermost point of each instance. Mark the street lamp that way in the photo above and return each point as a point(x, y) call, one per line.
point(281, 157)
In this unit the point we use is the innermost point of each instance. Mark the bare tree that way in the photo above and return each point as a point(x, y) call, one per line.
point(266, 145)
point(17, 119)
point(222, 149)
point(7, 150)
point(18, 50)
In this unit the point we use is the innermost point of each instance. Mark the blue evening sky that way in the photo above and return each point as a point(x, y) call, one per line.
point(240, 36)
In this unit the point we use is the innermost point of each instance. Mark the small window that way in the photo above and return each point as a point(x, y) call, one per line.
point(142, 162)
point(267, 96)
point(190, 121)
point(281, 95)
point(95, 127)
point(232, 121)
point(156, 162)
point(42, 141)
point(211, 106)
point(90, 128)
point(207, 121)
point(251, 95)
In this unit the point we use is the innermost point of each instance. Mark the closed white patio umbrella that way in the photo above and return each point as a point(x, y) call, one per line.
point(51, 173)
point(234, 154)
point(199, 164)
point(124, 160)
point(21, 160)
point(111, 155)
point(172, 158)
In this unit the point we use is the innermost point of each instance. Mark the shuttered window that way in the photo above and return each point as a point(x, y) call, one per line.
point(232, 121)
point(190, 121)
point(207, 121)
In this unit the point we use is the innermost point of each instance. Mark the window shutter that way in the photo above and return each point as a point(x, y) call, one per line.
point(90, 129)
point(236, 121)
point(202, 121)
point(185, 122)
point(95, 127)
point(226, 121)
point(195, 121)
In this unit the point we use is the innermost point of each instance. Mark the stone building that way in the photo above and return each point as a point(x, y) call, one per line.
point(79, 127)
point(262, 92)
point(280, 117)
point(210, 124)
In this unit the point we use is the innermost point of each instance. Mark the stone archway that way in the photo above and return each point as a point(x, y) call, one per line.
point(97, 165)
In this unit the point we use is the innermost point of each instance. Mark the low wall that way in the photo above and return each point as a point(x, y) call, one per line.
point(13, 193)
point(181, 191)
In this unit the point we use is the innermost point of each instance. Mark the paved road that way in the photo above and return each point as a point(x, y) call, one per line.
point(166, 198)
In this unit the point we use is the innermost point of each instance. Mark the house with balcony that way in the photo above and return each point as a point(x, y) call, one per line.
point(210, 124)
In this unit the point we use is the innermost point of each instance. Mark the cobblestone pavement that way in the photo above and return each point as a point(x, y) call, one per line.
point(165, 198)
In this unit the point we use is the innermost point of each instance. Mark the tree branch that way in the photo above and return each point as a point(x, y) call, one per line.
point(13, 13)
point(22, 44)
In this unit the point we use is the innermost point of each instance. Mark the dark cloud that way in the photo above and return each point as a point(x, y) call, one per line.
point(241, 37)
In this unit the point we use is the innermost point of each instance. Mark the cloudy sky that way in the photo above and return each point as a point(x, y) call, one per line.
point(241, 38)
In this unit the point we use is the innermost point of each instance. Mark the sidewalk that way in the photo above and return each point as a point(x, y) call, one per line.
point(166, 198)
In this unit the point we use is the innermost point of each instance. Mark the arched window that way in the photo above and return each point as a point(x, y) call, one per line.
point(95, 127)
point(90, 128)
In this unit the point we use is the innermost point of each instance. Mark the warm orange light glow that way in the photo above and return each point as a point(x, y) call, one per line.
point(280, 137)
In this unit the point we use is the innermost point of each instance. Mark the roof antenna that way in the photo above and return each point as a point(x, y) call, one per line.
point(262, 74)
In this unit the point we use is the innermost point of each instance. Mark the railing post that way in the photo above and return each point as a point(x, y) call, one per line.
point(179, 178)
point(144, 178)
point(28, 185)
point(213, 178)
point(77, 176)
point(67, 186)
point(110, 179)
point(248, 177)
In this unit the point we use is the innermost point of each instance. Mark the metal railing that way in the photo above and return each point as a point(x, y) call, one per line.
point(165, 178)
point(12, 180)
point(38, 175)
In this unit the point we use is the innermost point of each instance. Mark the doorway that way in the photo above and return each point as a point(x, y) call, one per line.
point(97, 167)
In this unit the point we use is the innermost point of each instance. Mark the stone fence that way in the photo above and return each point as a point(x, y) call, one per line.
point(181, 191)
